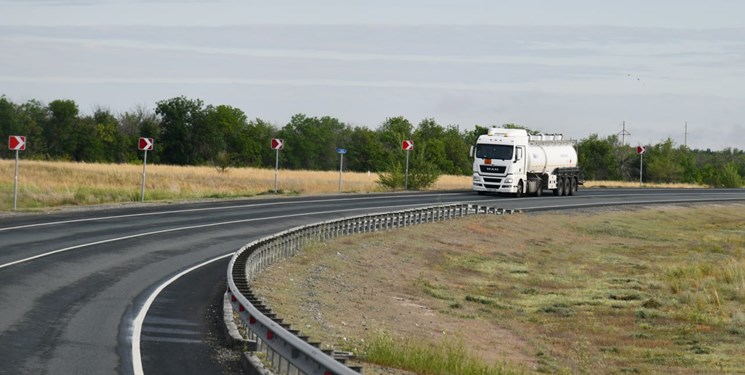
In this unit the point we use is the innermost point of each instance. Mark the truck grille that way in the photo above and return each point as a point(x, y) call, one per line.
point(491, 169)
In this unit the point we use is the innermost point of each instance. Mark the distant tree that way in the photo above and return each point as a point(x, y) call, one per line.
point(470, 137)
point(139, 122)
point(311, 142)
point(258, 135)
point(9, 123)
point(597, 157)
point(430, 137)
point(220, 135)
point(661, 164)
point(61, 130)
point(422, 174)
point(515, 126)
point(178, 118)
point(365, 151)
point(33, 117)
point(392, 132)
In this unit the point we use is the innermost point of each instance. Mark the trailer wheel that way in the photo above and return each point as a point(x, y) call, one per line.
point(567, 186)
point(559, 191)
point(573, 188)
point(519, 193)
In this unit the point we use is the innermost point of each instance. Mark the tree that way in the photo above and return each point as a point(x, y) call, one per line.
point(178, 118)
point(140, 122)
point(598, 157)
point(220, 135)
point(392, 132)
point(61, 131)
point(9, 122)
point(311, 143)
point(365, 151)
point(422, 173)
point(32, 117)
point(258, 135)
point(661, 164)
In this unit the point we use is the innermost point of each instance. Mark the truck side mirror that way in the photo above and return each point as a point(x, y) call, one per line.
point(518, 155)
point(470, 152)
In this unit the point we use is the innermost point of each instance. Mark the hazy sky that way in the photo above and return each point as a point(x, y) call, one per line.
point(571, 66)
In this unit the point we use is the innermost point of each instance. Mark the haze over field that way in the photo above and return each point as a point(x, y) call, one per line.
point(577, 67)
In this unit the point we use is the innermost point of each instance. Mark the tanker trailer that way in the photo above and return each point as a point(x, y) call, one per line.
point(512, 161)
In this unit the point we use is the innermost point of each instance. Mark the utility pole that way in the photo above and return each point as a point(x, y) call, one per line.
point(685, 136)
point(623, 133)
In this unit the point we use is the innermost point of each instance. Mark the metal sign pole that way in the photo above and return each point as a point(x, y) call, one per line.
point(15, 185)
point(341, 164)
point(144, 169)
point(406, 176)
point(276, 169)
point(641, 167)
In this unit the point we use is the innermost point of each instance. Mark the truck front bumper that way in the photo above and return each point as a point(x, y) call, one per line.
point(490, 184)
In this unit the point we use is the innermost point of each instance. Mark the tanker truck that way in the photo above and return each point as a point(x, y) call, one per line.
point(514, 162)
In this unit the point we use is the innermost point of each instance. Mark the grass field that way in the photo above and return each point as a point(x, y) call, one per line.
point(616, 291)
point(52, 184)
point(43, 185)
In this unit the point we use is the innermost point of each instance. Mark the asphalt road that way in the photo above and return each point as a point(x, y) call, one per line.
point(72, 283)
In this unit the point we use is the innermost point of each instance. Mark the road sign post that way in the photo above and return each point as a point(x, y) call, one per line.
point(407, 146)
point(145, 145)
point(16, 143)
point(341, 152)
point(640, 150)
point(277, 144)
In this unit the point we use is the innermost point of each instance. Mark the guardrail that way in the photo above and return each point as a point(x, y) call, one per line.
point(287, 351)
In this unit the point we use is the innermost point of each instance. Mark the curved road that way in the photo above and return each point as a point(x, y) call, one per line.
point(73, 284)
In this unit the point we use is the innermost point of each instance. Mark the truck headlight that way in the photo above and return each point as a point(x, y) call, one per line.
point(508, 180)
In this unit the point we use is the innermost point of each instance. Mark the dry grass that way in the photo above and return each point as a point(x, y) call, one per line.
point(45, 184)
point(636, 184)
point(50, 184)
point(658, 290)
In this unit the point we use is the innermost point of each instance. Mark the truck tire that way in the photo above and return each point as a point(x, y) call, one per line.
point(519, 193)
point(573, 188)
point(567, 186)
point(559, 191)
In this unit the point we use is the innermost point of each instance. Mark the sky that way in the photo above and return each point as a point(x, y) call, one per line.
point(663, 69)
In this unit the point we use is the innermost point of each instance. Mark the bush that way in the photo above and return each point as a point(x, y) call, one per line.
point(421, 176)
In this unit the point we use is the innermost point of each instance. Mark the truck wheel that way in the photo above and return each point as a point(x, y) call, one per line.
point(559, 191)
point(519, 193)
point(567, 186)
point(573, 188)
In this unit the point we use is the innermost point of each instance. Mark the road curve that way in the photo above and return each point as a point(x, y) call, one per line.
point(73, 283)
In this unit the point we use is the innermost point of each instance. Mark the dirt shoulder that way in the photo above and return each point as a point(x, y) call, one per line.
point(610, 291)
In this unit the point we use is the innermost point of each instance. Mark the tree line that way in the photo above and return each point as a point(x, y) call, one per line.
point(189, 132)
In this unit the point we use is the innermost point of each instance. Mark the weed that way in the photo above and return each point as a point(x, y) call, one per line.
point(448, 357)
point(558, 309)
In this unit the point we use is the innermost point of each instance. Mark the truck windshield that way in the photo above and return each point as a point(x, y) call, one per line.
point(494, 152)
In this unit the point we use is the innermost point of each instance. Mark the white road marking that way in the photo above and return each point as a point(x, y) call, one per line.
point(24, 260)
point(140, 318)
point(204, 209)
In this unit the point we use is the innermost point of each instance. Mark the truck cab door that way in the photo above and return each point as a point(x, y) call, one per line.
point(520, 159)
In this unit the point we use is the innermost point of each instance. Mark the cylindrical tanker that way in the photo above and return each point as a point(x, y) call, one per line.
point(546, 156)
point(511, 161)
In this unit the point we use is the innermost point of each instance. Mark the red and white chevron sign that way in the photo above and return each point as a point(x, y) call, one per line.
point(407, 145)
point(17, 142)
point(146, 144)
point(278, 144)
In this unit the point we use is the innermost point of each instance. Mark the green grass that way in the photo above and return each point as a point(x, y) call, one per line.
point(446, 358)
